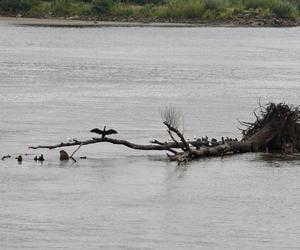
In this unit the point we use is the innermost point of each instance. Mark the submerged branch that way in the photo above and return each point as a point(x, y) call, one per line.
point(72, 155)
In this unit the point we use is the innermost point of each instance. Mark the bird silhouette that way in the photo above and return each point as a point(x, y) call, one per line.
point(104, 132)
point(41, 158)
point(19, 158)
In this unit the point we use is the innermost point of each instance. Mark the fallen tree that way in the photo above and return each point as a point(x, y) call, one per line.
point(275, 128)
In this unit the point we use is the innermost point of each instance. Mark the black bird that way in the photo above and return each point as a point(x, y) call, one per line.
point(41, 158)
point(104, 132)
point(214, 142)
point(19, 158)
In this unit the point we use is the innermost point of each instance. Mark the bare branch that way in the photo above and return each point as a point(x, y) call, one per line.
point(174, 140)
point(158, 142)
point(186, 146)
point(72, 155)
point(5, 157)
point(110, 140)
point(172, 116)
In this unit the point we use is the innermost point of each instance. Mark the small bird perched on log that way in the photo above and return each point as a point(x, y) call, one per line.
point(104, 132)
point(214, 142)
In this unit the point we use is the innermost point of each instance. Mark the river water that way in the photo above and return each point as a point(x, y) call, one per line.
point(58, 83)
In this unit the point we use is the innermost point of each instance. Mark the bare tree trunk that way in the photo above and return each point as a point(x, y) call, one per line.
point(277, 127)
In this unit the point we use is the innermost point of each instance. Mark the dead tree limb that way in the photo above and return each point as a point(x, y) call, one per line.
point(109, 140)
point(5, 157)
point(186, 146)
point(174, 140)
point(72, 155)
point(276, 127)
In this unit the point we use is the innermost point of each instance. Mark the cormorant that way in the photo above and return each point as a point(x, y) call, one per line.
point(104, 132)
point(205, 141)
point(41, 158)
point(214, 142)
point(19, 158)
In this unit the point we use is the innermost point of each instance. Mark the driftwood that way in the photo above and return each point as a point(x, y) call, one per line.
point(110, 140)
point(276, 128)
point(5, 157)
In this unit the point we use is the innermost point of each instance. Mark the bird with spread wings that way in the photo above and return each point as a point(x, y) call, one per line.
point(104, 132)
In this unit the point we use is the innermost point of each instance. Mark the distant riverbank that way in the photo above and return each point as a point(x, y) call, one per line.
point(250, 13)
point(138, 22)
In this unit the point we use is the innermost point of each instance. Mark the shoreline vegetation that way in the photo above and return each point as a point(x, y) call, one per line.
point(254, 13)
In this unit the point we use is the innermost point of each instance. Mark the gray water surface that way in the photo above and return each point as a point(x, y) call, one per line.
point(60, 82)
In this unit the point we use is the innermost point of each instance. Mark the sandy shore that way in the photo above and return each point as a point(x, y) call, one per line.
point(56, 22)
point(120, 22)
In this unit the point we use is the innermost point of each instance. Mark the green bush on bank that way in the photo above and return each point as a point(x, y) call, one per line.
point(279, 8)
point(285, 10)
point(61, 7)
point(100, 7)
point(212, 9)
point(15, 6)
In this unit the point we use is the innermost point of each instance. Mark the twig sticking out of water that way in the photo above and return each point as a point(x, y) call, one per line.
point(5, 157)
point(71, 156)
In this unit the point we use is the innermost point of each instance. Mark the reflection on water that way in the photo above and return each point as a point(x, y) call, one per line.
point(279, 160)
point(58, 83)
point(279, 157)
